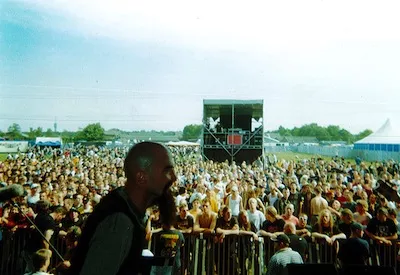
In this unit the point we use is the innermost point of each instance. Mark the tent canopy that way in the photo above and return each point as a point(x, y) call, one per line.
point(386, 138)
point(48, 141)
point(386, 134)
point(182, 143)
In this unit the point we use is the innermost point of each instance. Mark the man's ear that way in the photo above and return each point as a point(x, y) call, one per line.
point(141, 177)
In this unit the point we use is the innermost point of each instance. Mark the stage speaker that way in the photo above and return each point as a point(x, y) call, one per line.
point(312, 269)
point(226, 121)
point(243, 122)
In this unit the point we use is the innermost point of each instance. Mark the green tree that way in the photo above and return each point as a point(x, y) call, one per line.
point(14, 131)
point(283, 131)
point(92, 132)
point(191, 131)
point(67, 136)
point(49, 132)
point(332, 132)
point(34, 133)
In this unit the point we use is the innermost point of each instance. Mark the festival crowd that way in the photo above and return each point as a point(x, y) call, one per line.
point(290, 202)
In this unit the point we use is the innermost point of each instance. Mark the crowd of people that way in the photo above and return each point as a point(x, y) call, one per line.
point(291, 202)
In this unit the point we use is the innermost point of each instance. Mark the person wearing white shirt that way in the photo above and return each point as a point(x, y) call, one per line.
point(255, 215)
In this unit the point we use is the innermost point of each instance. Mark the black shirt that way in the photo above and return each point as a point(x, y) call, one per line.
point(272, 227)
point(183, 224)
point(298, 244)
point(112, 239)
point(226, 225)
point(382, 229)
point(44, 222)
point(354, 251)
point(326, 230)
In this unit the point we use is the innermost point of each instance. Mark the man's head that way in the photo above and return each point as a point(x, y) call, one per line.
point(286, 193)
point(289, 228)
point(59, 213)
point(227, 213)
point(281, 241)
point(362, 206)
point(149, 168)
point(196, 203)
point(206, 205)
point(183, 210)
point(382, 214)
point(357, 230)
point(235, 190)
point(303, 218)
point(43, 196)
point(336, 205)
point(289, 209)
point(41, 259)
point(252, 204)
point(347, 216)
point(271, 213)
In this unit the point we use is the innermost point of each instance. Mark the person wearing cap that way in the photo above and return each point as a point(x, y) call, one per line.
point(354, 250)
point(283, 256)
point(297, 243)
point(33, 195)
point(382, 229)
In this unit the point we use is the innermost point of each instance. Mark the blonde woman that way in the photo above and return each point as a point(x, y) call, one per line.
point(326, 229)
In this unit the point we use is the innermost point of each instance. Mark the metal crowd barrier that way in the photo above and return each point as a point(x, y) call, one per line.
point(204, 254)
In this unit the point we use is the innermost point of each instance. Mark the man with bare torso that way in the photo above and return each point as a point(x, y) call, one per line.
point(206, 221)
point(318, 203)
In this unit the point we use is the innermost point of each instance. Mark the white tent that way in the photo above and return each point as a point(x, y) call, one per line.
point(48, 141)
point(182, 143)
point(386, 138)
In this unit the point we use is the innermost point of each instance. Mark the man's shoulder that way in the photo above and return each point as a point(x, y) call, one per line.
point(296, 238)
point(351, 241)
point(117, 221)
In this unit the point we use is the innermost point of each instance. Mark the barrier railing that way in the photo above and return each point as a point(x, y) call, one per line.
point(204, 254)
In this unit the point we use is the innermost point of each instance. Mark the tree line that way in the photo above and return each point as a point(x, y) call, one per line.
point(330, 133)
point(95, 132)
point(92, 132)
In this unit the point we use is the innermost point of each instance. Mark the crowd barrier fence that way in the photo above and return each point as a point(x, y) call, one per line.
point(204, 254)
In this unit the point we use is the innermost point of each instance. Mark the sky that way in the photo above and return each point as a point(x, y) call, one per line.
point(148, 65)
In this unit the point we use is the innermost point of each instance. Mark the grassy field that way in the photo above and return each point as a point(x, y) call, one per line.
point(295, 156)
point(3, 157)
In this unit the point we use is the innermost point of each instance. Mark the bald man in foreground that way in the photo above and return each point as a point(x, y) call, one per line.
point(113, 238)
